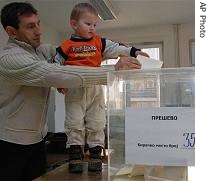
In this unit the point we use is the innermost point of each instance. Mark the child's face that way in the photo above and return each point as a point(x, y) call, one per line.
point(85, 26)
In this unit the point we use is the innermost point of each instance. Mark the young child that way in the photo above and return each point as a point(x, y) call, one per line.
point(85, 107)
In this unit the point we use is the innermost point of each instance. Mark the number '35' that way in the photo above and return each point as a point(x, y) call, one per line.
point(189, 140)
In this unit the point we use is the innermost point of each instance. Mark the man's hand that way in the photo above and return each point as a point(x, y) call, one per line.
point(141, 53)
point(126, 63)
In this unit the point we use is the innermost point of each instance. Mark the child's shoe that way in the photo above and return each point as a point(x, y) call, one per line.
point(95, 160)
point(75, 159)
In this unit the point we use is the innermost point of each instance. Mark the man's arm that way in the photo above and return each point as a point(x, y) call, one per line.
point(24, 70)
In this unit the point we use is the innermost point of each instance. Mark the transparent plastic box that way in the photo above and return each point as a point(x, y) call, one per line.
point(157, 88)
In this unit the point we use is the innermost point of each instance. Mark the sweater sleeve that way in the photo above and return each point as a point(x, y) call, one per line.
point(114, 49)
point(23, 69)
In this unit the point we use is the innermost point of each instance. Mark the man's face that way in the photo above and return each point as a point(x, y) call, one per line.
point(29, 30)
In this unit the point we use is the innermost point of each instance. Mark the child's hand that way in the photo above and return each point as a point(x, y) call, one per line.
point(62, 90)
point(141, 53)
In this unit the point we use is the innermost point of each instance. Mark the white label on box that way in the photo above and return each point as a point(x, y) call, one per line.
point(160, 136)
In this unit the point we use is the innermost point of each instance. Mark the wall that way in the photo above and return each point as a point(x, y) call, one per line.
point(59, 112)
point(49, 35)
point(175, 40)
point(186, 33)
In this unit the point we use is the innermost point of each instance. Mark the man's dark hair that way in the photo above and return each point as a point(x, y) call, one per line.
point(10, 13)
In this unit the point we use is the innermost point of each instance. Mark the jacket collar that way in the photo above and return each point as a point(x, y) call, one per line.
point(79, 39)
point(21, 44)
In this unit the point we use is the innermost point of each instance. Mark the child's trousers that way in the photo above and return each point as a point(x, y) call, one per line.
point(85, 116)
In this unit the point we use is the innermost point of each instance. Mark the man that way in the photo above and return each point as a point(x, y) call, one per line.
point(25, 81)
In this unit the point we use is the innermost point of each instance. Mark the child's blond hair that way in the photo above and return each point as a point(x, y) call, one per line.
point(80, 9)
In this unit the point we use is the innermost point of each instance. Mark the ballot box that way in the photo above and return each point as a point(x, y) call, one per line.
point(151, 124)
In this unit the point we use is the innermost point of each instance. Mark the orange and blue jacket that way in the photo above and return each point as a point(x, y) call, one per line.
point(89, 52)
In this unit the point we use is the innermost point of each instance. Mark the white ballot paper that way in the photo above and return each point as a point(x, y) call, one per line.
point(149, 63)
point(160, 136)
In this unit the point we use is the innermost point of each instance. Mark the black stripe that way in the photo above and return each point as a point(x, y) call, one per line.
point(77, 39)
point(133, 51)
point(103, 42)
point(60, 51)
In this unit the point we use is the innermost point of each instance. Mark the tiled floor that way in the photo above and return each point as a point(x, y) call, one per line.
point(54, 160)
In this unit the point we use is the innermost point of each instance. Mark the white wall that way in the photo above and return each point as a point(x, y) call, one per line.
point(59, 112)
point(49, 35)
point(147, 34)
point(186, 33)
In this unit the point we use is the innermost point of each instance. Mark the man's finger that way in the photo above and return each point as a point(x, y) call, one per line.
point(134, 61)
